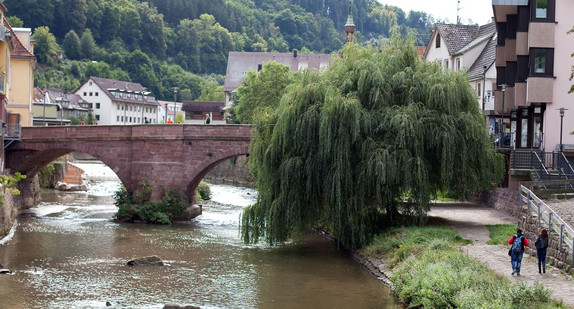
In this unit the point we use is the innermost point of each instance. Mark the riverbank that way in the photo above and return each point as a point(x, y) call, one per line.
point(430, 267)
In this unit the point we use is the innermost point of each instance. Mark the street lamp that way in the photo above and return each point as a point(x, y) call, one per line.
point(562, 109)
point(174, 102)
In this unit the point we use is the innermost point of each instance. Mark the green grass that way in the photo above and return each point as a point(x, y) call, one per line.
point(430, 272)
point(500, 233)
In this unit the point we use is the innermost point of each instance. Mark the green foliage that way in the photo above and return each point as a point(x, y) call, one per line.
point(398, 244)
point(571, 74)
point(350, 141)
point(8, 183)
point(71, 46)
point(211, 91)
point(46, 46)
point(500, 233)
point(429, 272)
point(88, 45)
point(203, 191)
point(15, 22)
point(46, 176)
point(180, 117)
point(134, 207)
point(260, 92)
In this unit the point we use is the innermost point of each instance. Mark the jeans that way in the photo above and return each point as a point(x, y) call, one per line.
point(541, 257)
point(516, 261)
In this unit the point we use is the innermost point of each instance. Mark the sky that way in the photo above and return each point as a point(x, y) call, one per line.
point(479, 11)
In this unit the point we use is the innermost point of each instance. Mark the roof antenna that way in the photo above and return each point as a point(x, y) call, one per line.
point(458, 8)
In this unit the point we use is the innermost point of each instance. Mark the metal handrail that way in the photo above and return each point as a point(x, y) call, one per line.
point(565, 165)
point(548, 215)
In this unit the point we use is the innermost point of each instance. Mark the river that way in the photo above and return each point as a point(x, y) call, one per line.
point(68, 253)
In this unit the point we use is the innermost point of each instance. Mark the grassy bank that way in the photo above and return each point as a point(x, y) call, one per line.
point(430, 272)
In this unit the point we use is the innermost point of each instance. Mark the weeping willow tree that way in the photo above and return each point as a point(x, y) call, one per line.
point(378, 132)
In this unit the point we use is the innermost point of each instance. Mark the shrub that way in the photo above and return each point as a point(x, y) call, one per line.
point(132, 208)
point(203, 191)
point(432, 273)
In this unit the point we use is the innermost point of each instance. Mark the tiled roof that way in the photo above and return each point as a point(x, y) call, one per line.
point(202, 106)
point(109, 85)
point(74, 100)
point(19, 49)
point(239, 63)
point(38, 95)
point(459, 37)
point(486, 58)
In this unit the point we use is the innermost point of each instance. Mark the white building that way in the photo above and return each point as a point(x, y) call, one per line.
point(168, 110)
point(117, 102)
point(467, 48)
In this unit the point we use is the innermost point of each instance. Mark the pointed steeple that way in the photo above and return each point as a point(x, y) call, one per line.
point(350, 24)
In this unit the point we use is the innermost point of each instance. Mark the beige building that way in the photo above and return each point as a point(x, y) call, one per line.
point(21, 74)
point(533, 62)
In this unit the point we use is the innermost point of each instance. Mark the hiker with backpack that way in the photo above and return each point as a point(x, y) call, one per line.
point(516, 252)
point(541, 244)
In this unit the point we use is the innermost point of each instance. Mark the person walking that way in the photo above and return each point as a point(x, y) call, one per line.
point(541, 244)
point(516, 252)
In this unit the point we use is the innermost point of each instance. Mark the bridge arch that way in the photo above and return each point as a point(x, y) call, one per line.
point(172, 156)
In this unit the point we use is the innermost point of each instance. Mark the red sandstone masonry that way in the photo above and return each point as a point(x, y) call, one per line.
point(175, 156)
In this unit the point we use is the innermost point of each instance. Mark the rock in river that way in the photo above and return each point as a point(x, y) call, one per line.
point(146, 261)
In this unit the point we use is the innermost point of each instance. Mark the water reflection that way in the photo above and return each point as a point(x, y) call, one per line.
point(67, 253)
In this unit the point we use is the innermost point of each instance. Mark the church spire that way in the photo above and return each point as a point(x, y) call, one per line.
point(349, 25)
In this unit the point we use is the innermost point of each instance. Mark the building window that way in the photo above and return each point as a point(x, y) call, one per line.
point(539, 61)
point(542, 61)
point(446, 63)
point(97, 105)
point(98, 117)
point(85, 94)
point(478, 89)
point(97, 93)
point(458, 64)
point(541, 8)
point(438, 40)
point(130, 119)
point(117, 118)
point(90, 83)
point(91, 94)
point(122, 118)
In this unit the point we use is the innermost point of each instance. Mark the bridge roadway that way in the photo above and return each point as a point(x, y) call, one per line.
point(172, 156)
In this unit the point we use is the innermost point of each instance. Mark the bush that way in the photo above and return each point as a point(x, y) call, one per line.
point(432, 273)
point(132, 208)
point(203, 191)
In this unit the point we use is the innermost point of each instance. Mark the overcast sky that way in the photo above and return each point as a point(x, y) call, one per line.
point(479, 11)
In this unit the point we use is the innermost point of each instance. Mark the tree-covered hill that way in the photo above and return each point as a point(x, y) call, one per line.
point(189, 37)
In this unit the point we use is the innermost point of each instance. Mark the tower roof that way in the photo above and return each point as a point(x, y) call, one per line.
point(350, 21)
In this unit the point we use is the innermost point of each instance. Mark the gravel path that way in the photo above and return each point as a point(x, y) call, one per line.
point(470, 222)
point(564, 209)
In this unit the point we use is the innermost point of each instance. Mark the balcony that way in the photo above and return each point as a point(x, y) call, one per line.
point(541, 35)
point(540, 90)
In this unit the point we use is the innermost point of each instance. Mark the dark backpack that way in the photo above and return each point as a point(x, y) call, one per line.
point(518, 243)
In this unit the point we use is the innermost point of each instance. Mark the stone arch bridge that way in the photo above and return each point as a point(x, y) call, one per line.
point(173, 156)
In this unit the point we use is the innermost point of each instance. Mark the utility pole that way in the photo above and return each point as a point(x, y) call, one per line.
point(458, 12)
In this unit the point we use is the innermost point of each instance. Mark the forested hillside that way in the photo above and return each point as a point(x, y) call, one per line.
point(184, 43)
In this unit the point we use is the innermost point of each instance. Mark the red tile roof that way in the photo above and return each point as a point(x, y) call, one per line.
point(19, 49)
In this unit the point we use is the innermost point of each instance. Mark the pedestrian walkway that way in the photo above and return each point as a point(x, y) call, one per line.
point(470, 223)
